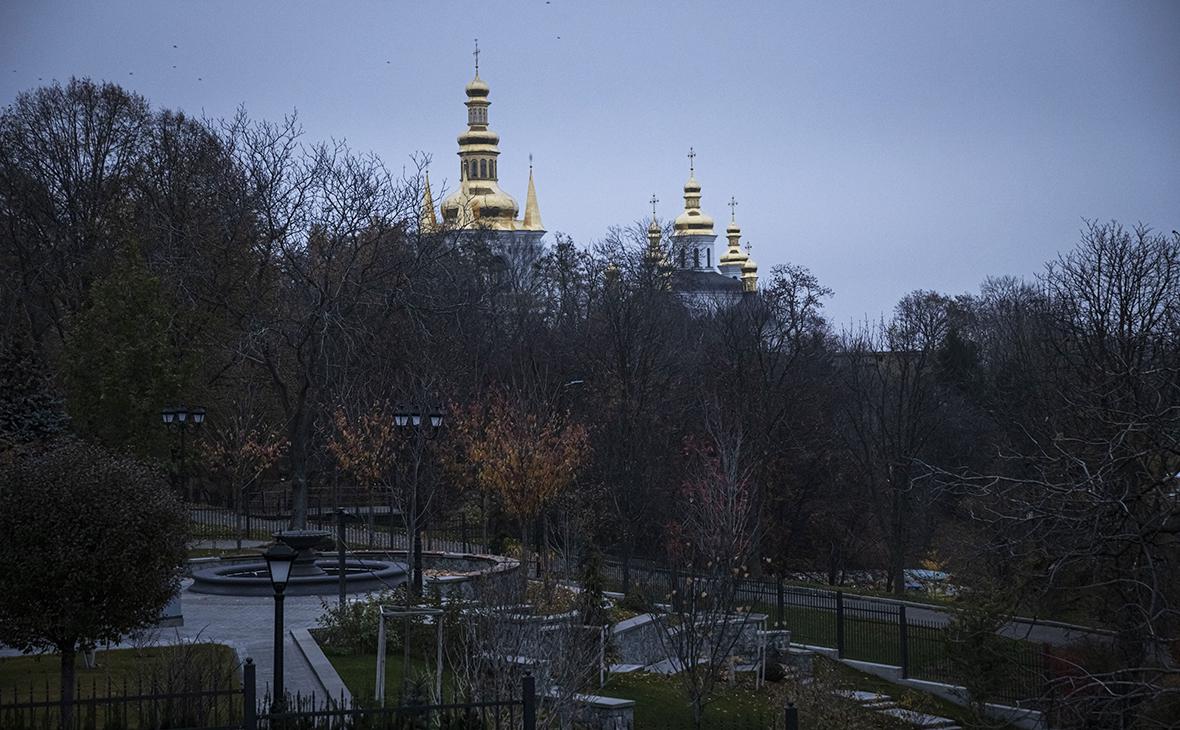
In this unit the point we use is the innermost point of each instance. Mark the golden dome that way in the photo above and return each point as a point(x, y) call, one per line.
point(479, 201)
point(477, 87)
point(749, 275)
point(733, 254)
point(693, 220)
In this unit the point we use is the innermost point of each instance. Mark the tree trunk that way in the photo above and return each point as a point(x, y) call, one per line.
point(524, 556)
point(67, 686)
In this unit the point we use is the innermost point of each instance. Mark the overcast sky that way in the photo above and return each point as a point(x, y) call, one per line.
point(886, 146)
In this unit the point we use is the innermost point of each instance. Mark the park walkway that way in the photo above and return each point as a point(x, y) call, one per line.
point(245, 624)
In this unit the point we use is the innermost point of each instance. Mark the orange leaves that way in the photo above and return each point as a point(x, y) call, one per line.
point(524, 455)
point(365, 446)
point(243, 453)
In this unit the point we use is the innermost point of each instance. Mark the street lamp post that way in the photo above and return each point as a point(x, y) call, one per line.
point(178, 418)
point(279, 559)
point(426, 422)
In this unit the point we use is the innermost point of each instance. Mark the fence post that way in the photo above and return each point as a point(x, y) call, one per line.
point(903, 635)
point(249, 697)
point(341, 559)
point(463, 532)
point(779, 602)
point(792, 716)
point(840, 624)
point(528, 687)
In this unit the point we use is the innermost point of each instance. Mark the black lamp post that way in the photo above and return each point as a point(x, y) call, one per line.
point(427, 422)
point(178, 418)
point(279, 559)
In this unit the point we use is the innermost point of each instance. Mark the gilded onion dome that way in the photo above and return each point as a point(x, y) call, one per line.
point(693, 221)
point(749, 273)
point(479, 201)
point(733, 254)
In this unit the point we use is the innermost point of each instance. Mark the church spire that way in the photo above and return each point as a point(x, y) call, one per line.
point(693, 221)
point(532, 211)
point(733, 259)
point(749, 273)
point(427, 221)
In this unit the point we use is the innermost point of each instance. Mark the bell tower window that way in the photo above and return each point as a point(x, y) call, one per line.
point(483, 169)
point(474, 171)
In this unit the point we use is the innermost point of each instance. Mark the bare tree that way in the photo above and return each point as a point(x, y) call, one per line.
point(702, 621)
point(1085, 499)
point(500, 638)
point(893, 409)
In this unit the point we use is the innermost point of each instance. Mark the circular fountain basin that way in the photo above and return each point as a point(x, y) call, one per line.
point(252, 579)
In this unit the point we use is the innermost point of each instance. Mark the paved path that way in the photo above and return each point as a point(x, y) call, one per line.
point(246, 624)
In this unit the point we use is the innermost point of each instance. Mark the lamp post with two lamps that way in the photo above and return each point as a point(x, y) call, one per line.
point(426, 422)
point(178, 418)
point(279, 559)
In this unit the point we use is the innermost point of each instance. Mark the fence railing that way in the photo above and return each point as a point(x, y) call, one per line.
point(364, 529)
point(234, 706)
point(145, 704)
point(868, 629)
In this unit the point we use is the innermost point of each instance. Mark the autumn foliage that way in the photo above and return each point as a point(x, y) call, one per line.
point(365, 446)
point(525, 456)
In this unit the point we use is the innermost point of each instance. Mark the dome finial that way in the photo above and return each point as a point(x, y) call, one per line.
point(476, 54)
point(692, 156)
point(653, 202)
point(732, 209)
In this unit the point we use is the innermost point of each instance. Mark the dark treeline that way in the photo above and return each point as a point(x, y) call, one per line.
point(1025, 438)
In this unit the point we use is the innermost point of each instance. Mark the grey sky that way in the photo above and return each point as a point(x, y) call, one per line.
point(887, 146)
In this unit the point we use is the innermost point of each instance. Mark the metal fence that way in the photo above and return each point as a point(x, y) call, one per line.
point(310, 713)
point(145, 704)
point(364, 528)
point(234, 705)
point(868, 629)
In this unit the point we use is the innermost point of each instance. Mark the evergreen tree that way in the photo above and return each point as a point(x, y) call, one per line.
point(30, 411)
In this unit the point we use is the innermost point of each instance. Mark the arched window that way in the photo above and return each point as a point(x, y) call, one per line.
point(708, 258)
point(483, 168)
point(492, 167)
point(682, 258)
point(474, 175)
point(696, 258)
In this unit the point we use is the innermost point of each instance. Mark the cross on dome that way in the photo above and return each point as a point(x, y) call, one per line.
point(476, 54)
point(653, 202)
point(692, 155)
point(732, 212)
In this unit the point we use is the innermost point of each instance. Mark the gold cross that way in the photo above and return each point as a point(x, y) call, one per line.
point(749, 248)
point(692, 155)
point(476, 54)
point(653, 202)
point(732, 205)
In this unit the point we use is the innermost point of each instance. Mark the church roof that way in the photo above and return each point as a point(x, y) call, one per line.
point(704, 281)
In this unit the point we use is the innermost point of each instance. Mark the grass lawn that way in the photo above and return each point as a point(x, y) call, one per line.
point(40, 674)
point(660, 702)
point(359, 673)
point(124, 673)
